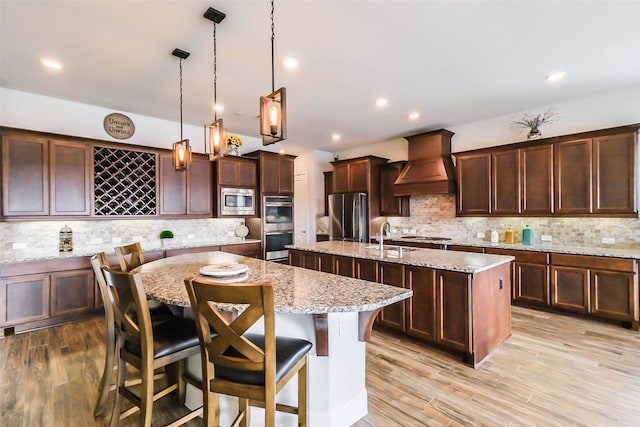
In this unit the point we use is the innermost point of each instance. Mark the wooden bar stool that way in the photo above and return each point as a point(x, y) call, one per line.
point(130, 256)
point(147, 347)
point(253, 367)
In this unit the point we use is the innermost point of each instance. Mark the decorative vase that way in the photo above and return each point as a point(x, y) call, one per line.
point(232, 150)
point(534, 134)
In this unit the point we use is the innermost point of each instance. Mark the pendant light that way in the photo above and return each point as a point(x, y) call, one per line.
point(273, 107)
point(181, 149)
point(214, 132)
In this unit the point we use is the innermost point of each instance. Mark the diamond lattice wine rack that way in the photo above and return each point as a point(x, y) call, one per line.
point(125, 182)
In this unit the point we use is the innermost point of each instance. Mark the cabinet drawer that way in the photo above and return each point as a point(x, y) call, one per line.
point(461, 248)
point(595, 262)
point(529, 257)
point(44, 266)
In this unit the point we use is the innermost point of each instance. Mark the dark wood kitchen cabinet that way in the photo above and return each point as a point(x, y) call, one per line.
point(536, 171)
point(236, 171)
point(572, 171)
point(453, 310)
point(392, 316)
point(43, 176)
point(530, 276)
point(275, 172)
point(252, 250)
point(328, 189)
point(391, 205)
point(361, 174)
point(613, 173)
point(365, 269)
point(421, 307)
point(505, 181)
point(474, 184)
point(185, 192)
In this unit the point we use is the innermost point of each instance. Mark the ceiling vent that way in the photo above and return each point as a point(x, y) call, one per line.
point(430, 169)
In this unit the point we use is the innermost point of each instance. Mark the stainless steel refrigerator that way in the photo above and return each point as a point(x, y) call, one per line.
point(348, 217)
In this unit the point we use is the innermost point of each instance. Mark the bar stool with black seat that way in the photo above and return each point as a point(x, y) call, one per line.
point(252, 367)
point(159, 312)
point(147, 347)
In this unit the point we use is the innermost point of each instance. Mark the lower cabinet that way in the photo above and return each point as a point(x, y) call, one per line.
point(57, 291)
point(252, 250)
point(530, 276)
point(392, 316)
point(453, 306)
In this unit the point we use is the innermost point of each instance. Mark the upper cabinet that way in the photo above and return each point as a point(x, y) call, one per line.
point(43, 176)
point(591, 173)
point(185, 192)
point(391, 205)
point(275, 173)
point(235, 171)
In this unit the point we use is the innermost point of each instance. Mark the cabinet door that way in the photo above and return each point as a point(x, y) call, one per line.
point(462, 248)
point(325, 263)
point(70, 178)
point(343, 266)
point(474, 184)
point(359, 176)
point(295, 258)
point(328, 189)
point(392, 316)
point(173, 187)
point(72, 293)
point(25, 175)
point(614, 171)
point(531, 283)
point(366, 269)
point(536, 165)
point(421, 307)
point(341, 178)
point(391, 205)
point(24, 299)
point(572, 173)
point(570, 288)
point(285, 175)
point(614, 295)
point(505, 169)
point(269, 174)
point(199, 187)
point(453, 326)
point(252, 250)
point(247, 173)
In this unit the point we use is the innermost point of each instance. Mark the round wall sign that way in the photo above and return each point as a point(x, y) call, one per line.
point(119, 126)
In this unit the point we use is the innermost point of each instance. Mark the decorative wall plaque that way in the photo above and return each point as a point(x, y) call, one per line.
point(119, 126)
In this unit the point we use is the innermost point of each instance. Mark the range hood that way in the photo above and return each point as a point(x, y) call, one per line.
point(430, 169)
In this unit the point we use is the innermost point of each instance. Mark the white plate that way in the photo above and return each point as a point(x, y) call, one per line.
point(224, 270)
point(231, 279)
point(242, 231)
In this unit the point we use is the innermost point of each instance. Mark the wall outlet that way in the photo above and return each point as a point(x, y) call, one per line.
point(136, 238)
point(609, 240)
point(230, 233)
point(343, 326)
point(405, 231)
point(546, 238)
point(413, 231)
point(96, 241)
point(19, 245)
point(191, 236)
point(480, 235)
point(116, 240)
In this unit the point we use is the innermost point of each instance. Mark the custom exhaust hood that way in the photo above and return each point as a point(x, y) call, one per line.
point(430, 169)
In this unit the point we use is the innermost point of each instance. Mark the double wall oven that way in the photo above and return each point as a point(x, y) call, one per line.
point(277, 227)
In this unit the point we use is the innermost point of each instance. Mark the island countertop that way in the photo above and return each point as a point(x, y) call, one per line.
point(465, 262)
point(296, 290)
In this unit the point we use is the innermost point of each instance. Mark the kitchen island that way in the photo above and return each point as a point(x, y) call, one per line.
point(460, 302)
point(335, 313)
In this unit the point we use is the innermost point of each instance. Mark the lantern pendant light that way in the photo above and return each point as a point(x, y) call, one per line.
point(273, 107)
point(214, 132)
point(181, 149)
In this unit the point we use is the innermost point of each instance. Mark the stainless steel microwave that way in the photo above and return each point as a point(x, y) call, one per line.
point(237, 201)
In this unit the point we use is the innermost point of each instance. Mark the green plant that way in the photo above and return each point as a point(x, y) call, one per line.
point(166, 234)
point(533, 123)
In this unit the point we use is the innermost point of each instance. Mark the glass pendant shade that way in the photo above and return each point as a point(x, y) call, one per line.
point(214, 139)
point(273, 117)
point(181, 154)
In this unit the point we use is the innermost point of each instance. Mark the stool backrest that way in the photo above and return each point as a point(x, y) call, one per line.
point(130, 256)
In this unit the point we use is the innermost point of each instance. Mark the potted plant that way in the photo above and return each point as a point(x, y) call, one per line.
point(165, 235)
point(233, 143)
point(533, 123)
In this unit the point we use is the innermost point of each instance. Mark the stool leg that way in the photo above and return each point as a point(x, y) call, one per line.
point(302, 395)
point(146, 394)
point(117, 405)
point(107, 374)
point(244, 407)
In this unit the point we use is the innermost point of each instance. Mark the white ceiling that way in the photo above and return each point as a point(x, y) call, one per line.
point(452, 61)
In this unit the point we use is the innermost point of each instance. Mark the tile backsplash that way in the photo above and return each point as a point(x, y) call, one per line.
point(435, 215)
point(44, 235)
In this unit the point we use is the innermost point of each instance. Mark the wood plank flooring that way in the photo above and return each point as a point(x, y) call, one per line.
point(553, 371)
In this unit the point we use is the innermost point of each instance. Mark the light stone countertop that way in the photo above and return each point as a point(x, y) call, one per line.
point(296, 290)
point(36, 255)
point(628, 250)
point(465, 262)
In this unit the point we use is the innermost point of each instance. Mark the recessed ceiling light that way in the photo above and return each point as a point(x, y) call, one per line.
point(290, 63)
point(52, 64)
point(381, 102)
point(335, 137)
point(413, 116)
point(555, 76)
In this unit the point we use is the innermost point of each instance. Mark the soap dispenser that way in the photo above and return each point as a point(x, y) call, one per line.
point(527, 236)
point(494, 236)
point(508, 235)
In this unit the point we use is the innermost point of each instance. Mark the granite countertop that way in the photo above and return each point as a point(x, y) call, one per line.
point(465, 262)
point(35, 255)
point(629, 250)
point(296, 290)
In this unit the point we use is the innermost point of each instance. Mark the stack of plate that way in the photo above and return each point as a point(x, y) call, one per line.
point(227, 272)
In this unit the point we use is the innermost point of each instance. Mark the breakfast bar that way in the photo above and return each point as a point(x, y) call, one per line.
point(335, 313)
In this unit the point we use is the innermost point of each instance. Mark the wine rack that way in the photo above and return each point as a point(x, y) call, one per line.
point(125, 182)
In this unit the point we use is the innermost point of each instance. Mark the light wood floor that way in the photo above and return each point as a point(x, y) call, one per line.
point(553, 371)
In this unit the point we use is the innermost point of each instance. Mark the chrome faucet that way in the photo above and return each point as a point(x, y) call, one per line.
point(386, 223)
